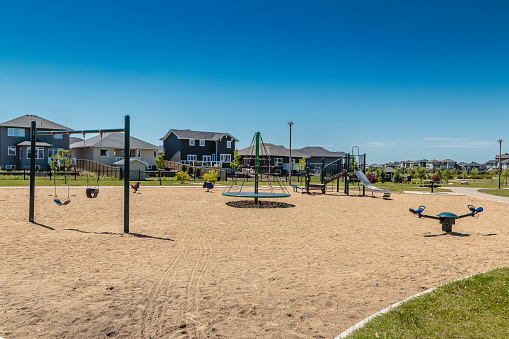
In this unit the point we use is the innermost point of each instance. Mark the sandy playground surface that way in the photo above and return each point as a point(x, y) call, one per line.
point(199, 268)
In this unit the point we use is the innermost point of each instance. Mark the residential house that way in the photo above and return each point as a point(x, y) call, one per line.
point(408, 164)
point(394, 164)
point(432, 165)
point(109, 149)
point(504, 164)
point(504, 156)
point(15, 144)
point(469, 167)
point(491, 164)
point(274, 158)
point(315, 154)
point(448, 164)
point(196, 148)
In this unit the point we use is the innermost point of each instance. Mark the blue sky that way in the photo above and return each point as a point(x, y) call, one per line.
point(400, 79)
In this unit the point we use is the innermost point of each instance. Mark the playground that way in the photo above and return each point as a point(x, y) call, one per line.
point(193, 266)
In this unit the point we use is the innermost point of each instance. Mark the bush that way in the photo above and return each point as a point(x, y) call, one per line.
point(210, 176)
point(435, 178)
point(197, 172)
point(182, 176)
point(372, 179)
point(184, 168)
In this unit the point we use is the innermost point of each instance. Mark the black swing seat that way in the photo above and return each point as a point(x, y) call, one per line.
point(92, 192)
point(59, 203)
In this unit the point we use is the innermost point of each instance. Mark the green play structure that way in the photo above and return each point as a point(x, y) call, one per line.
point(256, 165)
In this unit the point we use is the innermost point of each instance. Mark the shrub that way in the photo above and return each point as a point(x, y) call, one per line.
point(210, 176)
point(184, 168)
point(182, 176)
point(372, 179)
point(197, 172)
point(435, 178)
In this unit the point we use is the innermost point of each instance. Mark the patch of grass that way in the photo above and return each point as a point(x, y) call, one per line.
point(476, 307)
point(495, 191)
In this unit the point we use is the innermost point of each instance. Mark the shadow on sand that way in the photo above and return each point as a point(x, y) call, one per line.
point(112, 233)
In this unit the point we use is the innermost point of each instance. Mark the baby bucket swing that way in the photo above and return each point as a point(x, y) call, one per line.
point(54, 165)
point(92, 192)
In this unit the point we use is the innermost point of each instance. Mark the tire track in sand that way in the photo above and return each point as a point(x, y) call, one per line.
point(151, 316)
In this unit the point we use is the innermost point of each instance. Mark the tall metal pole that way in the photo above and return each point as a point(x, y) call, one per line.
point(257, 164)
point(290, 159)
point(499, 162)
point(127, 172)
point(32, 172)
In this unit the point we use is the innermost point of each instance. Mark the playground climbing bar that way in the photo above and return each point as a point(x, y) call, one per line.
point(126, 130)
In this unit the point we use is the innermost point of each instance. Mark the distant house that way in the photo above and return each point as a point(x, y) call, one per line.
point(432, 165)
point(393, 165)
point(408, 164)
point(491, 164)
point(314, 155)
point(505, 156)
point(278, 158)
point(195, 148)
point(109, 149)
point(448, 164)
point(15, 142)
point(469, 167)
point(504, 164)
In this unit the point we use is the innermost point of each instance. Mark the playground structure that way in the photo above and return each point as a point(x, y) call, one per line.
point(256, 163)
point(344, 167)
point(90, 192)
point(447, 219)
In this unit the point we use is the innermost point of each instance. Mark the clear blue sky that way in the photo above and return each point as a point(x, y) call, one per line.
point(400, 79)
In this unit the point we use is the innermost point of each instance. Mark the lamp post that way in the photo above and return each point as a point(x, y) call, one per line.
point(290, 159)
point(499, 162)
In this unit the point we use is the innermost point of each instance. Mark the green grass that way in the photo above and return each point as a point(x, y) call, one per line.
point(495, 191)
point(476, 307)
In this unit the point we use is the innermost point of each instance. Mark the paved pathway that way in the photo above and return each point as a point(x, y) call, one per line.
point(473, 192)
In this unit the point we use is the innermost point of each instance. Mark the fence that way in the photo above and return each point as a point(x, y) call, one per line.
point(98, 168)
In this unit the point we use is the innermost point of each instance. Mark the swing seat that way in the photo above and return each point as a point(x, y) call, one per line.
point(92, 192)
point(59, 203)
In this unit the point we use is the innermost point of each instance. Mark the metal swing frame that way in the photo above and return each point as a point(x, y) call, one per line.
point(126, 130)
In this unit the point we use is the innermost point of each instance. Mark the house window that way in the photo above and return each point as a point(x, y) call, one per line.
point(139, 153)
point(226, 158)
point(155, 154)
point(53, 151)
point(192, 157)
point(202, 142)
point(16, 132)
point(39, 152)
point(191, 142)
point(58, 136)
point(11, 150)
point(278, 161)
point(104, 152)
point(10, 167)
point(228, 144)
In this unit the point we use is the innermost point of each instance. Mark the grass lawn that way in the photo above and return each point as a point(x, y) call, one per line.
point(495, 191)
point(477, 307)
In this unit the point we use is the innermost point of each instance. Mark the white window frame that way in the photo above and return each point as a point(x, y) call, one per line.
point(202, 143)
point(58, 136)
point(104, 149)
point(192, 157)
point(37, 150)
point(226, 158)
point(192, 142)
point(10, 149)
point(15, 132)
point(10, 167)
point(278, 162)
point(206, 158)
point(228, 144)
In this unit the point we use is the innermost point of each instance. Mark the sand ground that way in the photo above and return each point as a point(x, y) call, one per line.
point(196, 267)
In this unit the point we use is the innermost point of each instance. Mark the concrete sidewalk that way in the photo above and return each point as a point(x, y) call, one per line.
point(474, 192)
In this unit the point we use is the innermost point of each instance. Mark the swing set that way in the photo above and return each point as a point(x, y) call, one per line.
point(91, 192)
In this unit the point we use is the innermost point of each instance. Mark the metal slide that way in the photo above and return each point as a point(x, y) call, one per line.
point(369, 186)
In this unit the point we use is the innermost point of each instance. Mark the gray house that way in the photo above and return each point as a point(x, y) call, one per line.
point(275, 158)
point(15, 142)
point(314, 155)
point(109, 149)
point(195, 148)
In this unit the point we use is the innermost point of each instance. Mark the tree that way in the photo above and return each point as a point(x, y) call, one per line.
point(422, 173)
point(397, 175)
point(61, 160)
point(160, 162)
point(505, 174)
point(210, 176)
point(381, 175)
point(182, 176)
point(446, 175)
point(301, 166)
point(474, 172)
point(236, 164)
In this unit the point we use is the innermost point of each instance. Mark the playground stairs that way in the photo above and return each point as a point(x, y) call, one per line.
point(335, 176)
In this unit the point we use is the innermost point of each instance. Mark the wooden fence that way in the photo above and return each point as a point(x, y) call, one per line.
point(98, 168)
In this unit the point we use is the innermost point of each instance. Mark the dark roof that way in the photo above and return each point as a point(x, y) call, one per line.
point(72, 140)
point(448, 160)
point(319, 152)
point(271, 150)
point(473, 164)
point(25, 121)
point(389, 170)
point(197, 135)
point(113, 140)
point(504, 156)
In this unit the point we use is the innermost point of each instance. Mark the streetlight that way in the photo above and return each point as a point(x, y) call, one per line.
point(499, 162)
point(290, 160)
